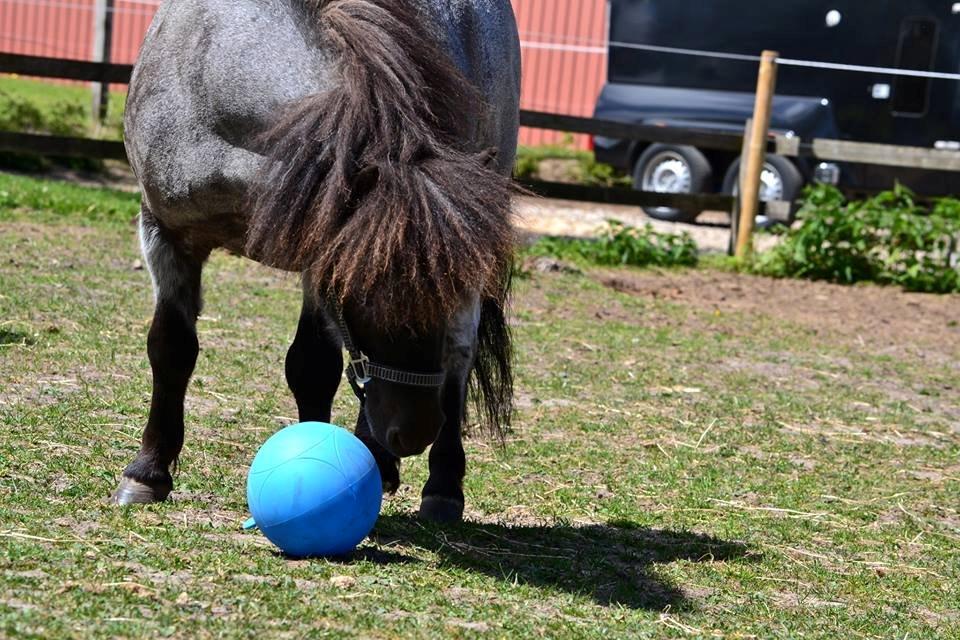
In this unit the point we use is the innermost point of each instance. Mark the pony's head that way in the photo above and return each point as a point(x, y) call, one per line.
point(401, 376)
point(411, 376)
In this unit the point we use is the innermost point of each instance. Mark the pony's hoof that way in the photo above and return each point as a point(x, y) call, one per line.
point(390, 475)
point(132, 491)
point(441, 509)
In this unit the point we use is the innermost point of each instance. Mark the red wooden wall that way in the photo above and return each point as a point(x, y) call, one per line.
point(564, 52)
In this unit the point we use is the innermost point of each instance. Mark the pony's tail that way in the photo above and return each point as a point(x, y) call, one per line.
point(369, 186)
point(491, 382)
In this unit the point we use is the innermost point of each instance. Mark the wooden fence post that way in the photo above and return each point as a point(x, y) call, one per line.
point(756, 152)
point(738, 191)
point(102, 44)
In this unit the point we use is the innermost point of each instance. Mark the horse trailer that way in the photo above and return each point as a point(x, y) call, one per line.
point(702, 90)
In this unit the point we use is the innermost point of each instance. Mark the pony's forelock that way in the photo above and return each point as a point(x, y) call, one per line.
point(370, 187)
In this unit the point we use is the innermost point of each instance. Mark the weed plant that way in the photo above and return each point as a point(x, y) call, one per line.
point(622, 245)
point(888, 239)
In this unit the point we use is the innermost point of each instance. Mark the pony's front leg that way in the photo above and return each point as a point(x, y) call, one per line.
point(387, 463)
point(172, 347)
point(442, 499)
point(314, 364)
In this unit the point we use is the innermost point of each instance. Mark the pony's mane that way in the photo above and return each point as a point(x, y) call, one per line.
point(371, 186)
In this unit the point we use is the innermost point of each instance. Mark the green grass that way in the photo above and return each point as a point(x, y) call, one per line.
point(25, 198)
point(665, 478)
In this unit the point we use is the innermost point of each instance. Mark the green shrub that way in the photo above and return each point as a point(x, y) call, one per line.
point(623, 245)
point(18, 113)
point(586, 170)
point(63, 118)
point(889, 239)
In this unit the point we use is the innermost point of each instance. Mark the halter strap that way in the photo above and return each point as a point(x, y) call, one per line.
point(360, 370)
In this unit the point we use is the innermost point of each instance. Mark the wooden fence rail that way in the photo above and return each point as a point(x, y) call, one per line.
point(819, 149)
point(64, 69)
point(45, 145)
point(626, 131)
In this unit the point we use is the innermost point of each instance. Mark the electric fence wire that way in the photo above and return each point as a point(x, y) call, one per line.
point(740, 57)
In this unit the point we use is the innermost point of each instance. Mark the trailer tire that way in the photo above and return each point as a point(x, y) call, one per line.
point(784, 178)
point(672, 169)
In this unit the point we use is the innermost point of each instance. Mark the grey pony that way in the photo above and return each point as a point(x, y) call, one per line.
point(212, 77)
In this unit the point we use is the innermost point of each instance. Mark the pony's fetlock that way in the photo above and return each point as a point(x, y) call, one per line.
point(389, 466)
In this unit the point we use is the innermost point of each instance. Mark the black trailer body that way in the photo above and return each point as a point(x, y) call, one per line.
point(705, 92)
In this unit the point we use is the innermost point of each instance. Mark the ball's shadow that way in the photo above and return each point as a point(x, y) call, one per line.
point(613, 563)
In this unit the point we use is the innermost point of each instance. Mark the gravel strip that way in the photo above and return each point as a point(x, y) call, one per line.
point(542, 216)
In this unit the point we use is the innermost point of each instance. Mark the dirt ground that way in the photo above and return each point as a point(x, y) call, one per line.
point(883, 318)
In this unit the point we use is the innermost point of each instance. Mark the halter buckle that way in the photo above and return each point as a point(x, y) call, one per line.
point(361, 369)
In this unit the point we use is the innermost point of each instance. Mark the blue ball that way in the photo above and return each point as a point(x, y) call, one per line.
point(314, 490)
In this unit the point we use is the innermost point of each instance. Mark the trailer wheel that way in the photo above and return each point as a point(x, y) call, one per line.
point(672, 169)
point(780, 180)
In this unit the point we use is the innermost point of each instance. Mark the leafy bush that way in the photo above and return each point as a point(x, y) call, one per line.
point(584, 170)
point(18, 113)
point(889, 239)
point(623, 245)
point(63, 118)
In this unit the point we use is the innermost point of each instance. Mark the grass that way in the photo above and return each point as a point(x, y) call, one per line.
point(675, 471)
point(51, 202)
point(54, 109)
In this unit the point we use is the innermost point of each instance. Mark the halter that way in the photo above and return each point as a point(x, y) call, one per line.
point(360, 370)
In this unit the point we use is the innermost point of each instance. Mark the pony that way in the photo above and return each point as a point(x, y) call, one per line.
point(367, 145)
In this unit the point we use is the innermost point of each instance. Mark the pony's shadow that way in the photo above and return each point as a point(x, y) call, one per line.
point(612, 563)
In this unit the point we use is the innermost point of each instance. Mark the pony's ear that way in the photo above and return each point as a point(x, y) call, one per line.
point(488, 156)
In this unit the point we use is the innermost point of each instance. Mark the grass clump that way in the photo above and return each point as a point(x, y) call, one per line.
point(888, 239)
point(622, 245)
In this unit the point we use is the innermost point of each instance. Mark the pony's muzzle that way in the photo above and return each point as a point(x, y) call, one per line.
point(403, 444)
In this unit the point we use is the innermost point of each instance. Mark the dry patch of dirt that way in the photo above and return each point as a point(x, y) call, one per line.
point(28, 231)
point(886, 319)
